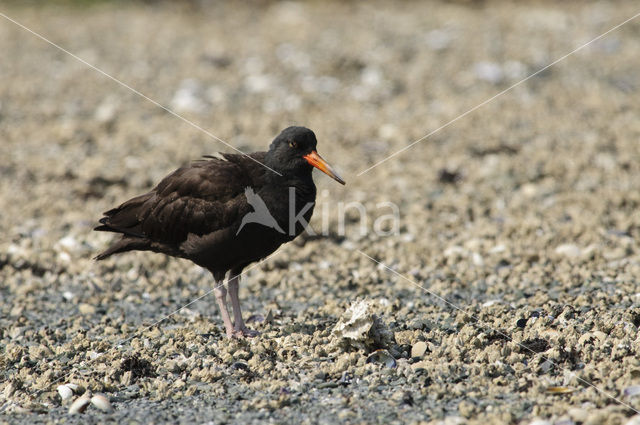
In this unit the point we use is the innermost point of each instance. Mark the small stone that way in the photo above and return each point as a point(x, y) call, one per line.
point(106, 111)
point(455, 251)
point(538, 421)
point(388, 131)
point(329, 384)
point(498, 249)
point(600, 335)
point(186, 98)
point(9, 390)
point(438, 39)
point(632, 391)
point(402, 397)
point(466, 409)
point(489, 71)
point(68, 243)
point(546, 366)
point(420, 365)
point(568, 250)
point(477, 259)
point(634, 420)
point(578, 414)
point(86, 309)
point(418, 349)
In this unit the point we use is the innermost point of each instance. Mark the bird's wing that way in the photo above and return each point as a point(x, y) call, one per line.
point(198, 199)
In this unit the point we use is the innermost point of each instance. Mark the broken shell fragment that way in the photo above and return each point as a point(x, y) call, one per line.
point(65, 392)
point(102, 402)
point(80, 405)
point(74, 387)
point(382, 357)
point(632, 391)
point(559, 390)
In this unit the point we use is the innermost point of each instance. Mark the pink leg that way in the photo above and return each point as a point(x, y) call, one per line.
point(239, 329)
point(221, 297)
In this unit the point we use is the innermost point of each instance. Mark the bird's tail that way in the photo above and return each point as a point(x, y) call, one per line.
point(125, 244)
point(124, 219)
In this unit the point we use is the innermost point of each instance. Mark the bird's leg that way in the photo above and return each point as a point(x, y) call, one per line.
point(221, 297)
point(239, 329)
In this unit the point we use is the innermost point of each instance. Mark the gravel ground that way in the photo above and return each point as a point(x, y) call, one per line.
point(516, 295)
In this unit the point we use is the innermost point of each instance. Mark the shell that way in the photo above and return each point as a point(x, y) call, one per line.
point(80, 405)
point(102, 402)
point(382, 357)
point(65, 392)
point(74, 387)
point(559, 390)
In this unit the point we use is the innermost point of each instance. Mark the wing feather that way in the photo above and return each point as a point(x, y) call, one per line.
point(198, 199)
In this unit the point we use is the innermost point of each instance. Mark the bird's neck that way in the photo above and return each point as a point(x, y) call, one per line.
point(302, 183)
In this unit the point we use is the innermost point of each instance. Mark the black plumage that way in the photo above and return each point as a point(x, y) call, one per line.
point(212, 211)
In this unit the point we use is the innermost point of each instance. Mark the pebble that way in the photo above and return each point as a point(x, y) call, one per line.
point(466, 408)
point(106, 111)
point(86, 309)
point(568, 250)
point(9, 390)
point(489, 71)
point(418, 349)
point(69, 243)
point(187, 97)
point(438, 39)
point(578, 414)
point(634, 420)
point(632, 391)
point(538, 421)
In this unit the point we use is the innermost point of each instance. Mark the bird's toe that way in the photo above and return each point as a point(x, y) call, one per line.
point(245, 333)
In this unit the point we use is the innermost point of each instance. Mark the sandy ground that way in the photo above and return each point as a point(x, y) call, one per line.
point(516, 257)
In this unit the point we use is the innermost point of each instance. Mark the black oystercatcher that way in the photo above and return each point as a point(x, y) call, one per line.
point(225, 213)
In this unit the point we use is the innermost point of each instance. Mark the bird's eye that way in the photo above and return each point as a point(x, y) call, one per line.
point(293, 144)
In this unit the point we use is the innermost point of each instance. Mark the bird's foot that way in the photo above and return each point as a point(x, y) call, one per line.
point(243, 332)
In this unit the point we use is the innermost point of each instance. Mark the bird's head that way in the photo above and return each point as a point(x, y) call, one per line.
point(293, 151)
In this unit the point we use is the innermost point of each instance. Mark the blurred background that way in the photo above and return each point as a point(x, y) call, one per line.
point(368, 78)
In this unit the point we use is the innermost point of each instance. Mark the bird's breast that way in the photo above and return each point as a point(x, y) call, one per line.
point(292, 208)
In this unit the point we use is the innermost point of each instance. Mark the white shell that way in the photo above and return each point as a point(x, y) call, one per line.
point(79, 406)
point(65, 392)
point(102, 403)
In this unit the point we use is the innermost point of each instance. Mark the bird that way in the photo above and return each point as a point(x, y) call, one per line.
point(260, 212)
point(225, 212)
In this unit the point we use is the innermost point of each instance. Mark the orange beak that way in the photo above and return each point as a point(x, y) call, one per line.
point(316, 160)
